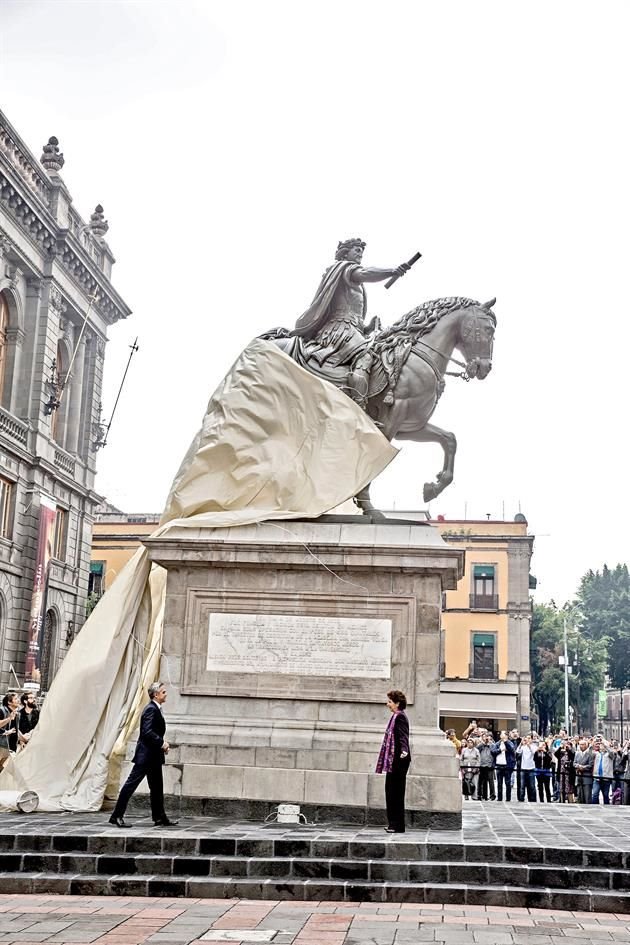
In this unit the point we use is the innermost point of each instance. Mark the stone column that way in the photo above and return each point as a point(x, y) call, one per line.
point(15, 341)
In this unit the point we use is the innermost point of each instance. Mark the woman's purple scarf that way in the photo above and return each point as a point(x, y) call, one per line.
point(385, 761)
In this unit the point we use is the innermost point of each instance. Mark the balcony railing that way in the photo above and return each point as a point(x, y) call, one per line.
point(484, 602)
point(65, 461)
point(13, 427)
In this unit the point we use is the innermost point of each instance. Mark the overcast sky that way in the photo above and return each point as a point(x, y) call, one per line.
point(233, 144)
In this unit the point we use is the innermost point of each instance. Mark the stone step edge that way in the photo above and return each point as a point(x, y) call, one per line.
point(519, 855)
point(112, 867)
point(586, 900)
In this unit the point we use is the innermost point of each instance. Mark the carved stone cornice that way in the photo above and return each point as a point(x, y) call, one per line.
point(20, 157)
point(60, 243)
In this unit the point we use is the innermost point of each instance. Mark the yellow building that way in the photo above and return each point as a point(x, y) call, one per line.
point(485, 672)
point(116, 536)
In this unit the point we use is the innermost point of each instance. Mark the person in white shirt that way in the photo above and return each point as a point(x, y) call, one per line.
point(525, 752)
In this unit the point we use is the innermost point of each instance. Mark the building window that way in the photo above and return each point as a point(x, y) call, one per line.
point(96, 579)
point(61, 534)
point(4, 346)
point(483, 656)
point(6, 507)
point(484, 596)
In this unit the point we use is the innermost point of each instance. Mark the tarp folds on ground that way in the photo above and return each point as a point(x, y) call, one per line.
point(275, 443)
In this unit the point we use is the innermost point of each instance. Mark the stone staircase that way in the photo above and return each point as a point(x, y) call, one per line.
point(148, 862)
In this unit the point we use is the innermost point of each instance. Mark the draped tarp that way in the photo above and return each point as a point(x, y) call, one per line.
point(275, 443)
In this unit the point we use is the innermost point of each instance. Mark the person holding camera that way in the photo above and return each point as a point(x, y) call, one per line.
point(469, 761)
point(583, 762)
point(486, 783)
point(544, 768)
point(603, 769)
point(505, 761)
point(8, 727)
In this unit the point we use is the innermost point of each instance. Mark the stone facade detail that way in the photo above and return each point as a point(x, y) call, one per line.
point(51, 264)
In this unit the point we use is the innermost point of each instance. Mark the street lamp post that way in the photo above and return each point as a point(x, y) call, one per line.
point(567, 722)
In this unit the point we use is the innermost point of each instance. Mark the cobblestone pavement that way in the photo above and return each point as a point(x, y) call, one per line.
point(539, 825)
point(72, 920)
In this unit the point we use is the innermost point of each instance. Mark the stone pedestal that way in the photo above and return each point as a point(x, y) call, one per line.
point(281, 641)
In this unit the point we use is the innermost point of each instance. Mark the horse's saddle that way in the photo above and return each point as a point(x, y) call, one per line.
point(389, 359)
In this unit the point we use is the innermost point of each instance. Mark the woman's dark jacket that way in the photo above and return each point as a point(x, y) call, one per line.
point(401, 740)
point(571, 768)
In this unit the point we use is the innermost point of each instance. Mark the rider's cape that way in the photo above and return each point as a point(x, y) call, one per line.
point(315, 315)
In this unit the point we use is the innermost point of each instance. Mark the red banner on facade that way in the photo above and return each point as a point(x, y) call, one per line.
point(45, 538)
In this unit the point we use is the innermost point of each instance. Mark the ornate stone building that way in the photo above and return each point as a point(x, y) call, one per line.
point(56, 303)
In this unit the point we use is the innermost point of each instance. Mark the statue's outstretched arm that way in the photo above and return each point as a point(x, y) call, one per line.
point(377, 275)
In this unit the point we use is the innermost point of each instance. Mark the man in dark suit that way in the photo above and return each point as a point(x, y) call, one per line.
point(150, 755)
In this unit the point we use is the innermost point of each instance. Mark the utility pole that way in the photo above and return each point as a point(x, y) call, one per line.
point(621, 716)
point(566, 681)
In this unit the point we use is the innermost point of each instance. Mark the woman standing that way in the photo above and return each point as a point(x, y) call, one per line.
point(394, 760)
point(543, 761)
point(566, 772)
point(469, 762)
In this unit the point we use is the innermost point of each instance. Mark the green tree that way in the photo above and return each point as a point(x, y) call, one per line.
point(603, 600)
point(587, 659)
point(547, 677)
point(91, 602)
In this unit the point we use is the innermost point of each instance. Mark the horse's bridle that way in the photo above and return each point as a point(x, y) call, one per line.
point(463, 374)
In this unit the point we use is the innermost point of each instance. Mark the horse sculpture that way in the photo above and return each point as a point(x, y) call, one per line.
point(407, 378)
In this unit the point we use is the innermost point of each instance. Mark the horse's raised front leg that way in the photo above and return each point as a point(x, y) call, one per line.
point(448, 442)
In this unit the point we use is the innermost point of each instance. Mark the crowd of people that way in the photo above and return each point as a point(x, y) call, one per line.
point(549, 769)
point(18, 717)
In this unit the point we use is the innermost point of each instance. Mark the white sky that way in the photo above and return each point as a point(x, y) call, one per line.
point(233, 144)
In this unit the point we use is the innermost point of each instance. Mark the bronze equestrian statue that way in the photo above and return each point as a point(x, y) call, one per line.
point(395, 374)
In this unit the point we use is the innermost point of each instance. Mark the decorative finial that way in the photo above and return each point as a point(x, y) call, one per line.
point(98, 224)
point(52, 158)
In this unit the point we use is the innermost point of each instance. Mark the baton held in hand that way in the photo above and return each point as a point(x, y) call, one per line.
point(414, 259)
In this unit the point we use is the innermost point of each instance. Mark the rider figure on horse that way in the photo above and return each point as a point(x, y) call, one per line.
point(333, 329)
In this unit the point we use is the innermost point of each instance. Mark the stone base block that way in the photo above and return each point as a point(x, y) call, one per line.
point(281, 645)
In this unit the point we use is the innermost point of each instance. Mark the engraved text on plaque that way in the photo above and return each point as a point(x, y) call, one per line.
point(304, 645)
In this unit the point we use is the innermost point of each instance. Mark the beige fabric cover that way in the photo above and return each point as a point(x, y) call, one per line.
point(275, 443)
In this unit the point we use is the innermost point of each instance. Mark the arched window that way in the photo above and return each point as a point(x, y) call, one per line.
point(4, 344)
point(47, 665)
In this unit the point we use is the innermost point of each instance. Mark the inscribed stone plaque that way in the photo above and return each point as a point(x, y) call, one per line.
point(299, 645)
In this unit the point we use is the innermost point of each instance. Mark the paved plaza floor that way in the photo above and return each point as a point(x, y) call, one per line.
point(571, 826)
point(72, 920)
point(131, 920)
